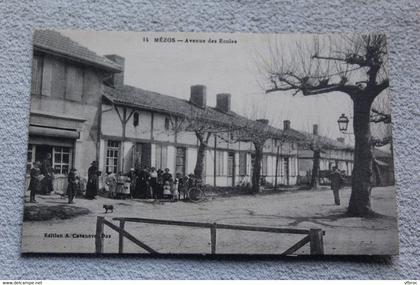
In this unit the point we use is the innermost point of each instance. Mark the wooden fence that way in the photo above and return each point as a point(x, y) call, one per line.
point(312, 236)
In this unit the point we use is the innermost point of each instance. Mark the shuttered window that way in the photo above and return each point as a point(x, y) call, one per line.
point(161, 156)
point(136, 119)
point(219, 163)
point(293, 166)
point(242, 163)
point(37, 68)
point(74, 83)
point(264, 165)
point(231, 164)
point(180, 160)
point(279, 166)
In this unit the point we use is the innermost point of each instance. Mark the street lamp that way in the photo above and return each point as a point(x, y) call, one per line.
point(343, 123)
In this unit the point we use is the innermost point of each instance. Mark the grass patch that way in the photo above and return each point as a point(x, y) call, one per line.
point(47, 212)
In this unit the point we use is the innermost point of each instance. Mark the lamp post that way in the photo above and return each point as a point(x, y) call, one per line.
point(343, 123)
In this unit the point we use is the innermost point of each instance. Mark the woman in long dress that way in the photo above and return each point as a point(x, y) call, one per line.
point(35, 183)
point(92, 185)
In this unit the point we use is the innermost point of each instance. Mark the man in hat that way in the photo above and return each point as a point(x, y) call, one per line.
point(167, 176)
point(336, 183)
point(92, 185)
point(133, 180)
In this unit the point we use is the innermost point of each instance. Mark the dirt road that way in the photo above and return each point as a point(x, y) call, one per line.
point(302, 209)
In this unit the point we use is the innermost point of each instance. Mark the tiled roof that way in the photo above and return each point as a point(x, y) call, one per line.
point(133, 96)
point(54, 42)
point(326, 142)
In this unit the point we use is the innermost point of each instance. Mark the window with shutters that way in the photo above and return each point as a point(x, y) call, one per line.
point(242, 163)
point(219, 163)
point(279, 166)
point(161, 156)
point(136, 119)
point(264, 165)
point(112, 156)
point(180, 160)
point(167, 123)
point(74, 83)
point(37, 69)
point(293, 166)
point(231, 164)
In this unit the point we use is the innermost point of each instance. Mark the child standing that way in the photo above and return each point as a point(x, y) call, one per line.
point(167, 193)
point(73, 180)
point(175, 191)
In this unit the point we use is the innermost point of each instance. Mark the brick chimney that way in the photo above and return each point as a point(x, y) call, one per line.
point(286, 125)
point(315, 130)
point(223, 102)
point(263, 121)
point(198, 96)
point(118, 78)
point(341, 139)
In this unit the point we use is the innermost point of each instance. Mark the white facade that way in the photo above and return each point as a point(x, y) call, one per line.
point(150, 141)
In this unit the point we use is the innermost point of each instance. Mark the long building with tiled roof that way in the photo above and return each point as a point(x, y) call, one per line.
point(146, 118)
point(81, 111)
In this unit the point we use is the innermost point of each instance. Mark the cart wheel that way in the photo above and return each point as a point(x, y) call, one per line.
point(195, 194)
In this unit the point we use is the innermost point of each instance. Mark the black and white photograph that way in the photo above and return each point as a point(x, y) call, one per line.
point(210, 143)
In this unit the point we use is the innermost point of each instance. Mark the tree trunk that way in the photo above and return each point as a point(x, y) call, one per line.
point(199, 165)
point(359, 204)
point(315, 170)
point(256, 172)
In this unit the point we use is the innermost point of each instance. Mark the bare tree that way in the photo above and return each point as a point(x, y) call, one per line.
point(200, 123)
point(319, 145)
point(380, 117)
point(353, 65)
point(256, 132)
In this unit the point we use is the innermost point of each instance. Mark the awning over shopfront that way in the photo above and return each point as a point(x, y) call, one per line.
point(51, 132)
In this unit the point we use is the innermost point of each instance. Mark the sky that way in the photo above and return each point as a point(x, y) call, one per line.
point(171, 68)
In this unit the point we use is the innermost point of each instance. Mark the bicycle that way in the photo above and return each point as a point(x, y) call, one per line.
point(195, 191)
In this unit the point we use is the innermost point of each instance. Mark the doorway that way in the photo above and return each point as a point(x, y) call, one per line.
point(142, 155)
point(231, 168)
point(286, 170)
point(180, 160)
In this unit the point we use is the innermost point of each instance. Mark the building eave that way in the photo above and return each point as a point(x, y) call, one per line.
point(45, 49)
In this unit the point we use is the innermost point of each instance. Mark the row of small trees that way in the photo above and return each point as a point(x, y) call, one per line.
point(238, 129)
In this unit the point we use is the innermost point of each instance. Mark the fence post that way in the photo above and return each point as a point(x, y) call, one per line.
point(213, 238)
point(99, 241)
point(121, 238)
point(316, 241)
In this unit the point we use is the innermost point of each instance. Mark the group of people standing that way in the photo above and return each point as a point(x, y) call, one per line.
point(149, 183)
point(42, 176)
point(74, 186)
point(41, 181)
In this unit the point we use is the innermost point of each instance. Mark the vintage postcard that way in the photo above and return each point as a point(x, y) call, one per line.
point(205, 143)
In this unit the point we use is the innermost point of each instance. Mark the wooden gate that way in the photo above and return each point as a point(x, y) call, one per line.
point(312, 236)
